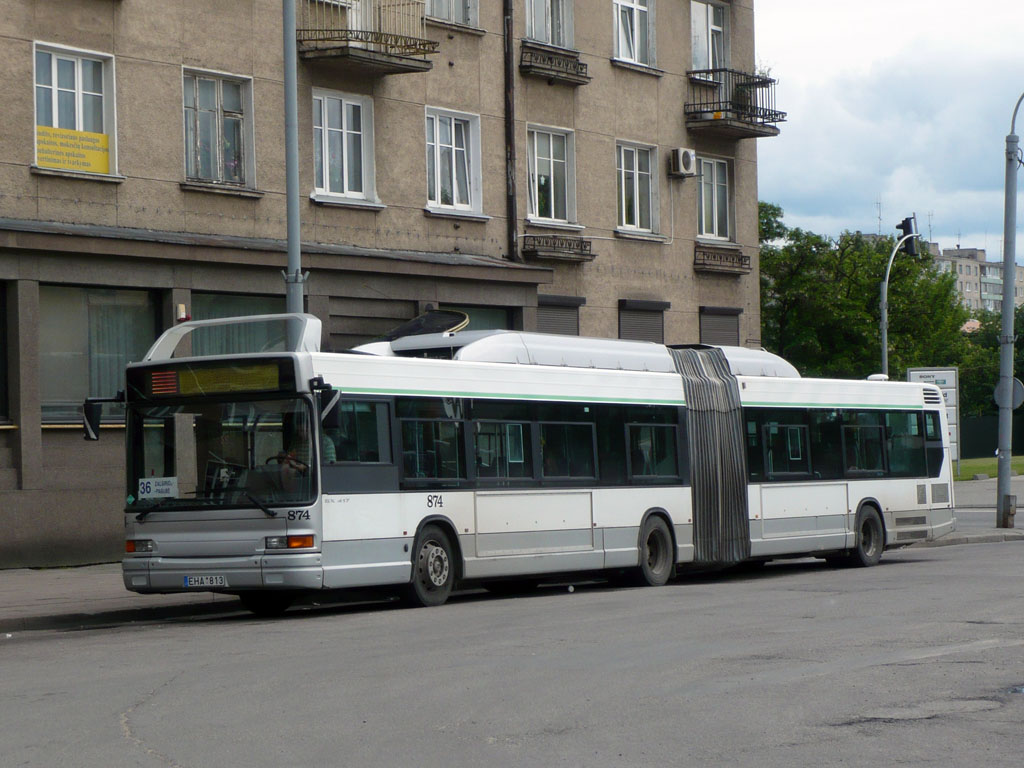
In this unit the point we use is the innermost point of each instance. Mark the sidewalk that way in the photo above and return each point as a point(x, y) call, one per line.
point(94, 595)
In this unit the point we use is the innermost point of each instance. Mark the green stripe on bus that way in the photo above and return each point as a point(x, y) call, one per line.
point(835, 404)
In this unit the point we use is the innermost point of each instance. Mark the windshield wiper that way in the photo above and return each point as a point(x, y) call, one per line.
point(142, 515)
point(267, 510)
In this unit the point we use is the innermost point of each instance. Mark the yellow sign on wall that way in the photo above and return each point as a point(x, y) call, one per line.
point(72, 150)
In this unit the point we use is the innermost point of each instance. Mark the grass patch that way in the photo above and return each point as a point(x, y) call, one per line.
point(985, 466)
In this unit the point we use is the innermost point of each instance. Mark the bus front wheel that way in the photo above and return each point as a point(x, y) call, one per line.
point(433, 568)
point(656, 560)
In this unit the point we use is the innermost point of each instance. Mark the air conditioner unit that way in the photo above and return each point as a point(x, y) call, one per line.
point(682, 162)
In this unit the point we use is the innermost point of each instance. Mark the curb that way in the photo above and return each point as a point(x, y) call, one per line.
point(120, 617)
point(952, 539)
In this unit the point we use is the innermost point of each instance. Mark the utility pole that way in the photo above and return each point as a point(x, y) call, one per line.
point(293, 277)
point(1005, 503)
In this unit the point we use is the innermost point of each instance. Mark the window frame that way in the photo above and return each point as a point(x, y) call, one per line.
point(472, 11)
point(366, 134)
point(708, 29)
point(533, 196)
point(474, 178)
point(50, 408)
point(621, 148)
point(109, 96)
point(547, 36)
point(5, 402)
point(635, 8)
point(248, 163)
point(631, 470)
point(595, 473)
point(722, 170)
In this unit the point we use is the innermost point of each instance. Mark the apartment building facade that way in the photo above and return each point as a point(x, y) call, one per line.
point(979, 282)
point(574, 166)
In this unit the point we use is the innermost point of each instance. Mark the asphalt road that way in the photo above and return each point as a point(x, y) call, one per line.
point(919, 661)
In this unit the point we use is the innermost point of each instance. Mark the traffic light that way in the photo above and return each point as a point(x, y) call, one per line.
point(908, 227)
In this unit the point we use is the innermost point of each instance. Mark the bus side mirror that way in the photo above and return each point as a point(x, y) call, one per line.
point(91, 413)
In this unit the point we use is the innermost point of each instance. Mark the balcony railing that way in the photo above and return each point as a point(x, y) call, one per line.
point(732, 103)
point(723, 261)
point(556, 65)
point(556, 247)
point(383, 35)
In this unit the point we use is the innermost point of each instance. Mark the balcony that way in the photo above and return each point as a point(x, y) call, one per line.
point(556, 247)
point(373, 36)
point(556, 65)
point(730, 103)
point(720, 260)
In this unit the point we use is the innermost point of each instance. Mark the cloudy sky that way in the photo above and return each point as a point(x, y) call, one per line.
point(903, 102)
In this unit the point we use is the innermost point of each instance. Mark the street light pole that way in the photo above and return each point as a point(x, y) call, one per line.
point(1006, 339)
point(885, 302)
point(293, 278)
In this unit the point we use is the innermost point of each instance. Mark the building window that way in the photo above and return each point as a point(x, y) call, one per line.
point(713, 199)
point(720, 325)
point(483, 318)
point(708, 32)
point(86, 338)
point(636, 189)
point(74, 110)
point(459, 11)
point(550, 21)
point(559, 314)
point(218, 144)
point(233, 339)
point(552, 183)
point(343, 145)
point(642, 320)
point(633, 33)
point(5, 411)
point(453, 160)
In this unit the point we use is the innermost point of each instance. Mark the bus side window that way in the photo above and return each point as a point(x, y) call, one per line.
point(567, 450)
point(933, 442)
point(356, 431)
point(755, 454)
point(905, 444)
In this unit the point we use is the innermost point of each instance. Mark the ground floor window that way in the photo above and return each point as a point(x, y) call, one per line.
point(86, 338)
point(720, 325)
point(641, 320)
point(4, 346)
point(235, 338)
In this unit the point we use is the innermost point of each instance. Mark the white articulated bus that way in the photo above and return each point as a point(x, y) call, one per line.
point(502, 457)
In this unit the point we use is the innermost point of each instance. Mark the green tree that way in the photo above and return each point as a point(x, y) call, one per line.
point(820, 303)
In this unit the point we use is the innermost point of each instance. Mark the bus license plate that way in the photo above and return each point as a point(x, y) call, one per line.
point(205, 581)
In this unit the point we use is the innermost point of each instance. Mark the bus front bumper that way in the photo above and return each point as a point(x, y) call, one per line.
point(223, 574)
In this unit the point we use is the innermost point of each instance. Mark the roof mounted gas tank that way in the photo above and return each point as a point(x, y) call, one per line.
point(500, 346)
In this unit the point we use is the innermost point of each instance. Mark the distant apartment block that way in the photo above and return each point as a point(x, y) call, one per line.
point(979, 282)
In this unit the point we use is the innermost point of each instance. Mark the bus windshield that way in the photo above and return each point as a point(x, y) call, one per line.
point(222, 453)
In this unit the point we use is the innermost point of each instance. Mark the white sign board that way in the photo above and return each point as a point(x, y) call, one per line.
point(948, 382)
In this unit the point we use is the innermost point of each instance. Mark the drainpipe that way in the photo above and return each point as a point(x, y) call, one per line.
point(510, 137)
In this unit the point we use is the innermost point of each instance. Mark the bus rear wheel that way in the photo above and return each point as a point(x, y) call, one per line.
point(656, 560)
point(433, 568)
point(870, 540)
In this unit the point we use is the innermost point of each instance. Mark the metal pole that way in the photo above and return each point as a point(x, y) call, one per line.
point(293, 278)
point(1006, 339)
point(884, 322)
